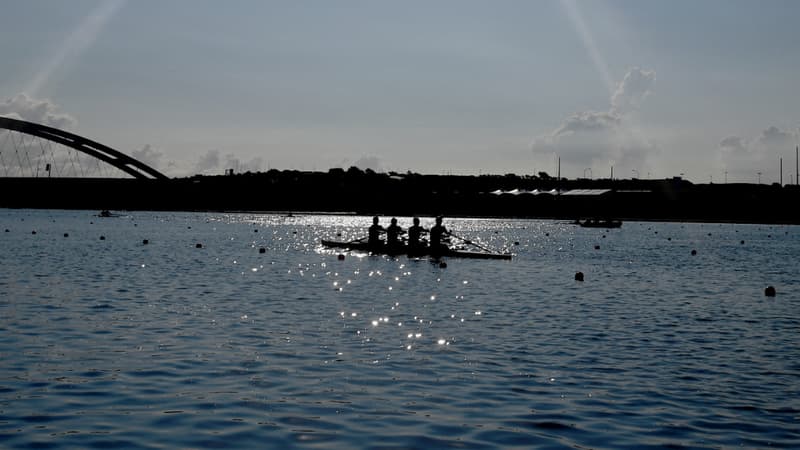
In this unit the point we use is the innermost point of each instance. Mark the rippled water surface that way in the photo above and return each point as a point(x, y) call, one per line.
point(106, 341)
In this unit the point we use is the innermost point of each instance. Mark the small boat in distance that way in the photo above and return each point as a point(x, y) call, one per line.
point(599, 223)
point(413, 253)
point(107, 213)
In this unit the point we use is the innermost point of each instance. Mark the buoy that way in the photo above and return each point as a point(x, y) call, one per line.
point(547, 234)
point(198, 245)
point(604, 236)
point(442, 265)
point(145, 242)
point(741, 242)
point(694, 252)
point(338, 234)
point(262, 250)
point(597, 247)
point(294, 232)
point(769, 291)
point(6, 230)
point(66, 234)
point(516, 242)
point(102, 238)
point(33, 232)
point(340, 257)
point(255, 231)
point(578, 276)
point(189, 227)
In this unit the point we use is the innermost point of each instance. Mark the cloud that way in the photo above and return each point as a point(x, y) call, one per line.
point(23, 107)
point(207, 163)
point(773, 139)
point(600, 137)
point(212, 163)
point(365, 162)
point(743, 158)
point(239, 166)
point(148, 156)
point(631, 92)
point(369, 162)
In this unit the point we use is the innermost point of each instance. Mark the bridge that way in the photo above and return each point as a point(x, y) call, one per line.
point(29, 149)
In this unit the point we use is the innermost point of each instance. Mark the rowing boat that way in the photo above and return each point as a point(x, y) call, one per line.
point(413, 253)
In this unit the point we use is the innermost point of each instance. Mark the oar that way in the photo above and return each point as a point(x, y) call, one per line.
point(467, 241)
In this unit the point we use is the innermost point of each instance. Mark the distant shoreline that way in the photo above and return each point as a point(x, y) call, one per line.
point(356, 192)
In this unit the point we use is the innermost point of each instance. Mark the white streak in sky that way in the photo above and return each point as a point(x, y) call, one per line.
point(76, 43)
point(589, 43)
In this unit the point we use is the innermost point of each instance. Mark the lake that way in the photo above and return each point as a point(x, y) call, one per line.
point(198, 339)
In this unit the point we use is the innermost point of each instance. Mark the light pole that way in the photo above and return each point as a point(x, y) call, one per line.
point(590, 172)
point(636, 172)
point(759, 177)
point(726, 177)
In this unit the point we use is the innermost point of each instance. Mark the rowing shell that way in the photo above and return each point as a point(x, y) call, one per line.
point(404, 250)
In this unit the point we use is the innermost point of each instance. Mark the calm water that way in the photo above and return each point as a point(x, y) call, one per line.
point(114, 343)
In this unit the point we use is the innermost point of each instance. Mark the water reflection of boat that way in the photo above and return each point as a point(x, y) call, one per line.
point(595, 223)
point(405, 250)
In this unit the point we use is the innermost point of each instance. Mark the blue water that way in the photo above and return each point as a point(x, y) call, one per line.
point(117, 343)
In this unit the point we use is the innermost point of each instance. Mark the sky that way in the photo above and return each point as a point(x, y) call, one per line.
point(708, 90)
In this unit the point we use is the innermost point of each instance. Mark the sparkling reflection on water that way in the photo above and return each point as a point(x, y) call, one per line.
point(119, 343)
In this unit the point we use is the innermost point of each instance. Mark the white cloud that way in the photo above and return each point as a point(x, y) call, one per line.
point(239, 166)
point(365, 162)
point(148, 155)
point(208, 163)
point(43, 111)
point(213, 163)
point(600, 137)
point(631, 92)
point(743, 158)
point(369, 162)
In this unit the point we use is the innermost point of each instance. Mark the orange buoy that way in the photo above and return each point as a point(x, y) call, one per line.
point(578, 276)
point(770, 291)
point(694, 252)
point(262, 250)
point(340, 257)
point(198, 245)
point(145, 242)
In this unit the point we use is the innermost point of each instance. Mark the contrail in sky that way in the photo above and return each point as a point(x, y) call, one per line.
point(589, 43)
point(76, 43)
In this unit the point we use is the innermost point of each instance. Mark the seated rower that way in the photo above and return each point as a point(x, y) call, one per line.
point(374, 234)
point(437, 232)
point(393, 232)
point(414, 233)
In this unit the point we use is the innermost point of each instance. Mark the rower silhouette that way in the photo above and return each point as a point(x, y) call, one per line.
point(374, 234)
point(437, 232)
point(393, 233)
point(414, 233)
